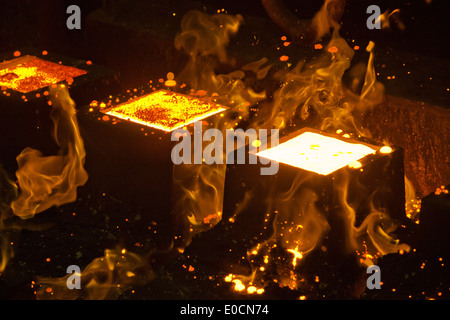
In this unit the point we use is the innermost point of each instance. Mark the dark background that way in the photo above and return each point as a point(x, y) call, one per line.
point(42, 23)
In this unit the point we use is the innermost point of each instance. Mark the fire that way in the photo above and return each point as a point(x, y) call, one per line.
point(297, 255)
point(317, 153)
point(205, 38)
point(104, 278)
point(200, 187)
point(46, 181)
point(239, 286)
point(313, 95)
point(29, 73)
point(165, 110)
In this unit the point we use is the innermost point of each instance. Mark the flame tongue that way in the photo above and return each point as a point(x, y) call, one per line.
point(47, 181)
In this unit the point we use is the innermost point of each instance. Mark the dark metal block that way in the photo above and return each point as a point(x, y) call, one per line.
point(131, 163)
point(433, 235)
point(304, 209)
point(339, 197)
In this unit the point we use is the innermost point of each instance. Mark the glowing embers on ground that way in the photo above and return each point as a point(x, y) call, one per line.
point(29, 73)
point(165, 110)
point(318, 153)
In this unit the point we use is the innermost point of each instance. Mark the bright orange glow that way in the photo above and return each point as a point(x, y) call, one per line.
point(386, 149)
point(29, 73)
point(317, 153)
point(297, 255)
point(165, 110)
point(238, 285)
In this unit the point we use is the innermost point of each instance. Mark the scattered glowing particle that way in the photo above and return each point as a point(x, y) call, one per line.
point(284, 58)
point(286, 43)
point(386, 149)
point(251, 289)
point(256, 143)
point(105, 118)
point(228, 278)
point(333, 49)
point(170, 82)
point(49, 289)
point(297, 255)
point(355, 164)
point(89, 62)
point(123, 251)
point(48, 259)
point(45, 52)
point(318, 46)
point(17, 53)
point(356, 48)
point(191, 268)
point(283, 38)
point(302, 298)
point(238, 285)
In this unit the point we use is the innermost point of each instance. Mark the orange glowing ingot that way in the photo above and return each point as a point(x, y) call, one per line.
point(317, 153)
point(165, 110)
point(29, 73)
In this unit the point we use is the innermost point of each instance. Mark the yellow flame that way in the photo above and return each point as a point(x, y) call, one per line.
point(297, 255)
point(205, 38)
point(199, 188)
point(104, 278)
point(313, 93)
point(47, 181)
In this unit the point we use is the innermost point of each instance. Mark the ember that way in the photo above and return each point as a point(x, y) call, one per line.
point(29, 73)
point(165, 110)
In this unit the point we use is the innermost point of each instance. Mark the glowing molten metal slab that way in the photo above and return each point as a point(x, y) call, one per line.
point(165, 110)
point(317, 153)
point(29, 73)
